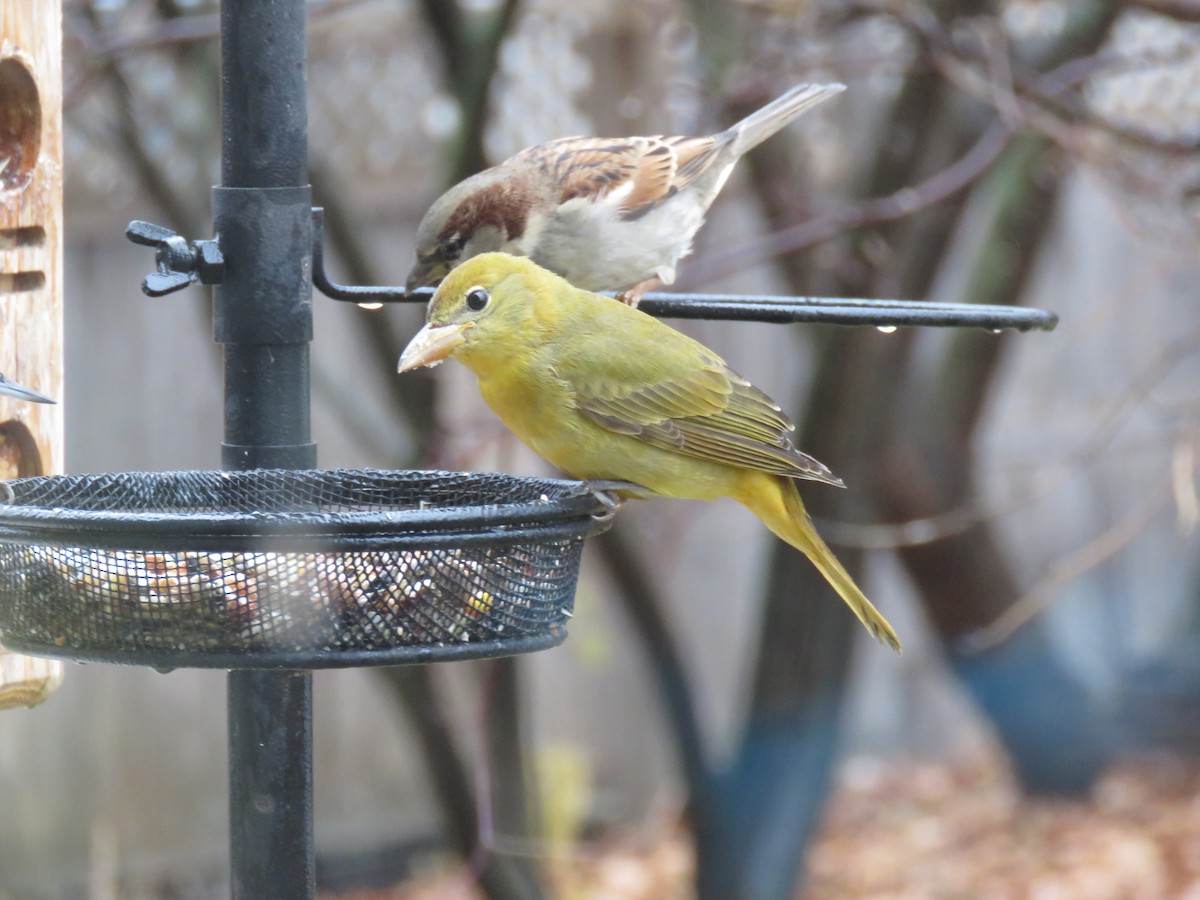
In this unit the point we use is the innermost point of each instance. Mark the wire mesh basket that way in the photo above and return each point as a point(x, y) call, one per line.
point(289, 568)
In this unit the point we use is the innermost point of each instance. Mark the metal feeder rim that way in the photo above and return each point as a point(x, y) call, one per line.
point(308, 542)
point(355, 529)
point(300, 660)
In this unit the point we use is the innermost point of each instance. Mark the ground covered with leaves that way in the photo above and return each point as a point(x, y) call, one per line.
point(912, 830)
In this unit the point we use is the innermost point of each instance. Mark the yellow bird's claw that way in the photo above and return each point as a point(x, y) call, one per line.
point(613, 494)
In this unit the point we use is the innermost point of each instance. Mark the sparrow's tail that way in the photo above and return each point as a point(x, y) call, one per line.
point(761, 124)
point(776, 501)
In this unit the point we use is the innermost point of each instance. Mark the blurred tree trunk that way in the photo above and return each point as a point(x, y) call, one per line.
point(1045, 719)
point(470, 47)
point(498, 876)
point(772, 795)
point(1053, 731)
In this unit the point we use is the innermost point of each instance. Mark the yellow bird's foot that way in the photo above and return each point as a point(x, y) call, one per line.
point(613, 494)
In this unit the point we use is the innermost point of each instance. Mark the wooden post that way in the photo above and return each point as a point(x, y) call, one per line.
point(31, 286)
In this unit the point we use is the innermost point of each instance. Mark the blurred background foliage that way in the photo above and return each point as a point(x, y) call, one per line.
point(1023, 507)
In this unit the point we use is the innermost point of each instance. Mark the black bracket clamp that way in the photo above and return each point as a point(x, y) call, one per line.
point(179, 263)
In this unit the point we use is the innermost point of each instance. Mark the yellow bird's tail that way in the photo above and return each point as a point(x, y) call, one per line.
point(776, 501)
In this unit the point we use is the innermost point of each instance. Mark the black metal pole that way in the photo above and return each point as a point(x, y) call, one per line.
point(270, 785)
point(263, 316)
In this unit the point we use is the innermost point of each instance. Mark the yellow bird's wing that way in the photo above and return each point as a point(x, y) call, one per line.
point(679, 396)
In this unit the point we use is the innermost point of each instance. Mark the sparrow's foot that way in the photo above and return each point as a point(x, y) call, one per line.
point(633, 296)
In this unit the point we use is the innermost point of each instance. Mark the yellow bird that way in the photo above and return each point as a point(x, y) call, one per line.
point(607, 393)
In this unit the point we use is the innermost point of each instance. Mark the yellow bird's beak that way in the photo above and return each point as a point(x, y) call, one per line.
point(431, 345)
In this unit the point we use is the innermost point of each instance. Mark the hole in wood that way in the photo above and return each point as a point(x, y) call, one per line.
point(31, 236)
point(19, 282)
point(20, 125)
point(19, 454)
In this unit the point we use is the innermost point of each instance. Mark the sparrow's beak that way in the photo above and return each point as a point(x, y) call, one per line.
point(12, 389)
point(425, 275)
point(432, 344)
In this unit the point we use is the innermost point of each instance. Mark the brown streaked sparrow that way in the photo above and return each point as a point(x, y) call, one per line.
point(605, 213)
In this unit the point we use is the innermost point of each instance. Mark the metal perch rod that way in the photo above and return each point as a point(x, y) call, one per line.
point(748, 308)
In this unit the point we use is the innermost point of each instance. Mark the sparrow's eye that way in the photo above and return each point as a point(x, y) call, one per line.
point(477, 298)
point(453, 247)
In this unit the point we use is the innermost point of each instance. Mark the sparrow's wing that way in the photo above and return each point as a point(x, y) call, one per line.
point(636, 173)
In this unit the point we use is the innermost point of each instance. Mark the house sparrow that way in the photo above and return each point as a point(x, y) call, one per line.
point(605, 213)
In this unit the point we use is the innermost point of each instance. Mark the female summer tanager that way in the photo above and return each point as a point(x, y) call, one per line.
point(607, 393)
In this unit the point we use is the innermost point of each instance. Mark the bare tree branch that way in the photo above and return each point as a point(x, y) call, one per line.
point(901, 204)
point(470, 55)
point(1102, 547)
point(1181, 10)
point(182, 216)
point(1044, 84)
point(928, 529)
point(99, 48)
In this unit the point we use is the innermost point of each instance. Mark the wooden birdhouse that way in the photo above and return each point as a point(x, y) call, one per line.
point(31, 281)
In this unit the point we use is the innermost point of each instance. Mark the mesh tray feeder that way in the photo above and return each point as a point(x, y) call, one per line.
point(280, 568)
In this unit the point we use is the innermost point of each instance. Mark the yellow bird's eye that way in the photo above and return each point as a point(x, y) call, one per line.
point(477, 298)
